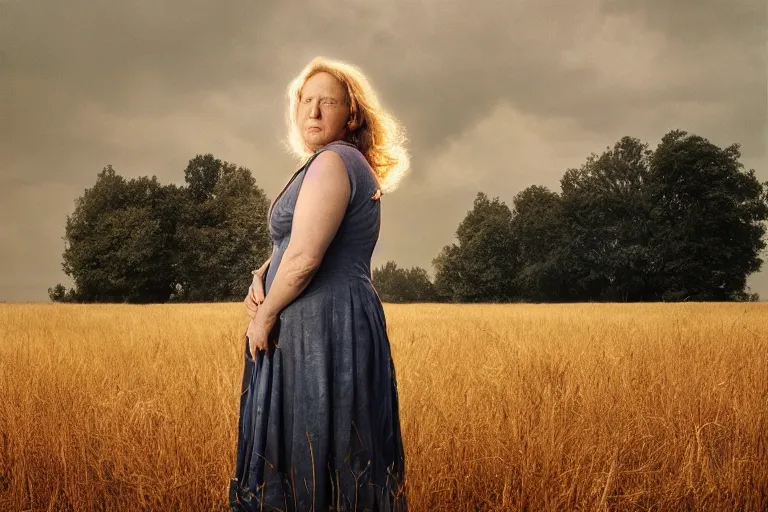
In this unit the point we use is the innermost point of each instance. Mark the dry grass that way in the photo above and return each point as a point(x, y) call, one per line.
point(504, 407)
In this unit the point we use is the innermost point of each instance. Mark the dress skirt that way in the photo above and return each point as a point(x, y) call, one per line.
point(319, 425)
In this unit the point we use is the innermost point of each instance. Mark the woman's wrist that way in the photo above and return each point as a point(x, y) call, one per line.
point(265, 314)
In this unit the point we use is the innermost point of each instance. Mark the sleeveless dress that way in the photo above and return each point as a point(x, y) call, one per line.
point(319, 425)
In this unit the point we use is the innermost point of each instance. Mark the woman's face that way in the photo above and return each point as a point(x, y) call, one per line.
point(323, 111)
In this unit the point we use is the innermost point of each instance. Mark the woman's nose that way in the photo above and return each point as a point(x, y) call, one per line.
point(314, 110)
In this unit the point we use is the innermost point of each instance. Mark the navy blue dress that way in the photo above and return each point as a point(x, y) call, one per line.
point(319, 425)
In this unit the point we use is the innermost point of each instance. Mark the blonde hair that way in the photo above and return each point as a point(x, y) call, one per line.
point(380, 138)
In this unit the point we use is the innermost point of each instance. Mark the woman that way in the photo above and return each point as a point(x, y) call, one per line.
point(319, 425)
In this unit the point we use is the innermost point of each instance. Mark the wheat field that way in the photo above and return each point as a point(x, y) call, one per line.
point(503, 407)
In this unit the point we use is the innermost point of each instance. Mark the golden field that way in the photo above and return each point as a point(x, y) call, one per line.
point(503, 407)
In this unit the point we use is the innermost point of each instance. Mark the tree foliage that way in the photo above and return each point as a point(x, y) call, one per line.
point(684, 221)
point(223, 231)
point(681, 222)
point(606, 225)
point(707, 216)
point(483, 265)
point(119, 240)
point(402, 285)
point(537, 225)
point(138, 241)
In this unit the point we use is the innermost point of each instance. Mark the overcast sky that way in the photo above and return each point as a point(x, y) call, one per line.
point(495, 97)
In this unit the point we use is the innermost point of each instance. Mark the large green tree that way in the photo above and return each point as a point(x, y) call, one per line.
point(138, 241)
point(682, 222)
point(401, 285)
point(538, 227)
point(223, 232)
point(606, 226)
point(708, 216)
point(119, 240)
point(483, 265)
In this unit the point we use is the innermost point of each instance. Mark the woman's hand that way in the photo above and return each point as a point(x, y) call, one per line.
point(258, 331)
point(255, 296)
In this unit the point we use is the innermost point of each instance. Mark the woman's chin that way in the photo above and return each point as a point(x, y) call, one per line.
point(315, 143)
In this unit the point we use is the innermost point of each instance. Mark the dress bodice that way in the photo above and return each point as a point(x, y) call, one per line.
point(349, 254)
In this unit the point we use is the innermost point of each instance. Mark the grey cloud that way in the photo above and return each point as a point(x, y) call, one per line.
point(740, 22)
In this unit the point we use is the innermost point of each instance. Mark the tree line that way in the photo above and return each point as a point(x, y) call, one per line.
point(138, 241)
point(684, 221)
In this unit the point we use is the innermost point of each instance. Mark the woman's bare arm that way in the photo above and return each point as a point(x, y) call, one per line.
point(319, 210)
